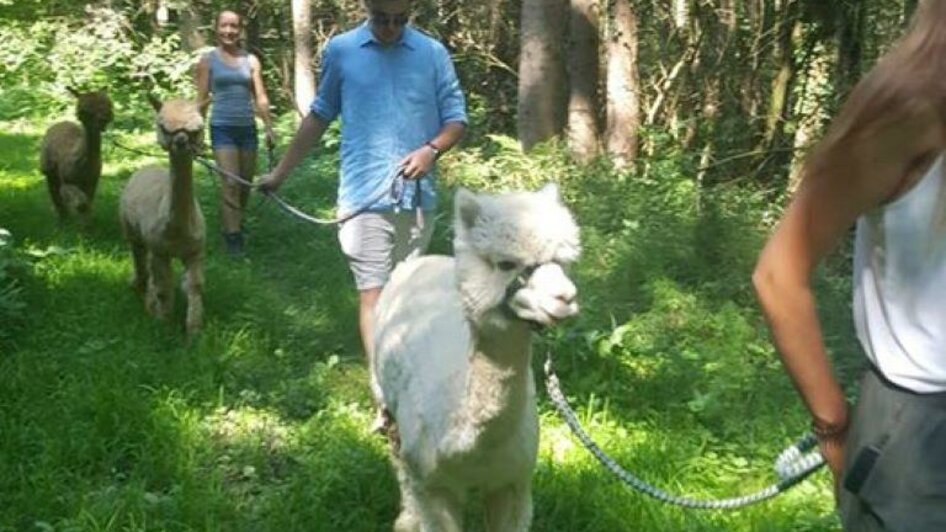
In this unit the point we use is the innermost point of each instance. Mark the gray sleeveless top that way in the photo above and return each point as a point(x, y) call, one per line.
point(231, 88)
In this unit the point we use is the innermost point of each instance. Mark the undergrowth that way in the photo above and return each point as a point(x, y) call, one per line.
point(109, 420)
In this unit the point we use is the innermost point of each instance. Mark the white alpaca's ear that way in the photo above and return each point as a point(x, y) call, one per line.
point(467, 207)
point(549, 191)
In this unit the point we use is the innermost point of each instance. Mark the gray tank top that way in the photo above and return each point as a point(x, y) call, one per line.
point(232, 97)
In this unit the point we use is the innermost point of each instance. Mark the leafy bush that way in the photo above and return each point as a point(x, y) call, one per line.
point(12, 306)
point(38, 60)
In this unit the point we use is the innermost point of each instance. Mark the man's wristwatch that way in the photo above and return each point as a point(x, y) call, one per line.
point(434, 148)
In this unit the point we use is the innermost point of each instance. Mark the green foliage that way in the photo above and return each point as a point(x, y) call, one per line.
point(12, 306)
point(43, 57)
point(109, 419)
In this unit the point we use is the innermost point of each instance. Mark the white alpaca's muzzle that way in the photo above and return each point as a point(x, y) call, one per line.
point(547, 297)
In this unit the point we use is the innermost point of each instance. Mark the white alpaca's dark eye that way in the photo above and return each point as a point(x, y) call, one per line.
point(507, 265)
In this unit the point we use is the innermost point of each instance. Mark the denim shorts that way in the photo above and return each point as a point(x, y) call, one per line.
point(239, 137)
point(375, 242)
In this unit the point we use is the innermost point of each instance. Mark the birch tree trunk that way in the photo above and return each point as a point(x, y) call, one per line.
point(542, 85)
point(304, 78)
point(780, 97)
point(189, 29)
point(584, 137)
point(623, 84)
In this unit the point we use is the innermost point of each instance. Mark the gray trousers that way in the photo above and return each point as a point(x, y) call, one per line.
point(895, 461)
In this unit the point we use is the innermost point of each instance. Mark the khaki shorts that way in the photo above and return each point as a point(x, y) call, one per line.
point(375, 242)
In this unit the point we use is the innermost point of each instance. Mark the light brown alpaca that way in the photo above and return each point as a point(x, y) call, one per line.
point(161, 218)
point(71, 155)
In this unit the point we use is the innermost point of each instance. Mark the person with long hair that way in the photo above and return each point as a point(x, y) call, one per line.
point(230, 78)
point(881, 168)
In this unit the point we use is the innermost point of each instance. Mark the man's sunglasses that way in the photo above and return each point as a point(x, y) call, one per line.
point(386, 19)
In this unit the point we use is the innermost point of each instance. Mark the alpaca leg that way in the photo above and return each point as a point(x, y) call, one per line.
point(440, 510)
point(160, 299)
point(53, 184)
point(139, 259)
point(194, 288)
point(509, 509)
point(409, 518)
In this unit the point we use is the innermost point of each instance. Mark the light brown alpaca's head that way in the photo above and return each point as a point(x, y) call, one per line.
point(179, 125)
point(93, 109)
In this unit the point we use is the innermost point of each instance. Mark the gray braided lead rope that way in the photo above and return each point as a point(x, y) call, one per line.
point(793, 465)
point(392, 190)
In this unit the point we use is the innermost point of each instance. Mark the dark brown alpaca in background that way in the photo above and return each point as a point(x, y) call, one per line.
point(71, 155)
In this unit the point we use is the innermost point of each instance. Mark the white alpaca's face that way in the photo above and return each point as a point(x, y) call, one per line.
point(513, 251)
point(180, 126)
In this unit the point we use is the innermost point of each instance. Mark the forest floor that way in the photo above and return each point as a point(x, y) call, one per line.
point(110, 420)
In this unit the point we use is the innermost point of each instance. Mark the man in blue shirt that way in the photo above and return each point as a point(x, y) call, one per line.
point(400, 104)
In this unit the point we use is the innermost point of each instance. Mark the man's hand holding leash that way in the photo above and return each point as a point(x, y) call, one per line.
point(419, 162)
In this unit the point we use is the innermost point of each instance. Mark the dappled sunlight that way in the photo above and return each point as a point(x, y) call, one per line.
point(15, 182)
point(64, 266)
point(246, 428)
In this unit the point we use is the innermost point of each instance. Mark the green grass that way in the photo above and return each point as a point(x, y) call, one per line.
point(111, 421)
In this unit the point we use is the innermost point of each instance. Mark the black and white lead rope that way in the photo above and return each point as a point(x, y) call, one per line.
point(793, 465)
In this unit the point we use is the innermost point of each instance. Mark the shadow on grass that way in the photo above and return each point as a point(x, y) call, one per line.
point(260, 424)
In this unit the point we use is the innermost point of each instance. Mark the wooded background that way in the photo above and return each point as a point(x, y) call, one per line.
point(741, 86)
point(674, 129)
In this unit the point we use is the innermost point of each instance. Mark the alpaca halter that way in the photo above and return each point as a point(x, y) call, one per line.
point(517, 284)
point(192, 146)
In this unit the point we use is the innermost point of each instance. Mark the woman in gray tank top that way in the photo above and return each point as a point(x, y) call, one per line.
point(229, 77)
point(880, 165)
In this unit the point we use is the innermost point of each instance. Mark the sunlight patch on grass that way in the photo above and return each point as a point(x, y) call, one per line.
point(63, 266)
point(16, 181)
point(248, 426)
point(240, 343)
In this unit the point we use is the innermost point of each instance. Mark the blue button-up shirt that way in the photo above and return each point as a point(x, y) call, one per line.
point(391, 99)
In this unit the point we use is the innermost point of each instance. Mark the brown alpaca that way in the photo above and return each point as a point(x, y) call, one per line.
point(162, 220)
point(71, 155)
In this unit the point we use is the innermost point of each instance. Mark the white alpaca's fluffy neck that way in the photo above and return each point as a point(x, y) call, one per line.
point(498, 385)
point(182, 209)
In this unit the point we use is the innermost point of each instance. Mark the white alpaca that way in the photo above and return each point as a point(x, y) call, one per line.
point(452, 361)
point(161, 218)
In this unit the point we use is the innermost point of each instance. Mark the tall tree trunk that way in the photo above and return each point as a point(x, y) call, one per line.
point(584, 137)
point(681, 13)
point(909, 6)
point(304, 84)
point(189, 29)
point(623, 84)
point(780, 96)
point(811, 113)
point(851, 19)
point(542, 86)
